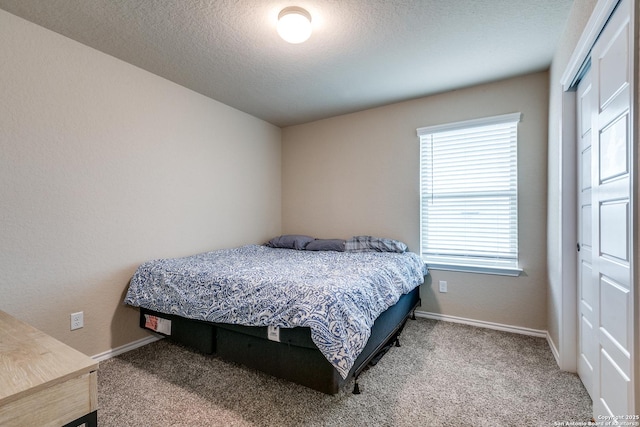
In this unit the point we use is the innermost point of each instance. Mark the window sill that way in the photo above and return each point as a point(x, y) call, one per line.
point(498, 271)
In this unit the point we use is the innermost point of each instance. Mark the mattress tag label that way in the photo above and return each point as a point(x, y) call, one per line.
point(157, 324)
point(273, 333)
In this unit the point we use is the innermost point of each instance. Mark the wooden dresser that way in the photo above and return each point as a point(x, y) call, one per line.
point(44, 382)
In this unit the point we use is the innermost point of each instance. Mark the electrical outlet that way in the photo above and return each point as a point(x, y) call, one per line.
point(443, 286)
point(77, 320)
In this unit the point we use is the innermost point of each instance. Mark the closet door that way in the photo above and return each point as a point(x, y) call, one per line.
point(587, 289)
point(611, 73)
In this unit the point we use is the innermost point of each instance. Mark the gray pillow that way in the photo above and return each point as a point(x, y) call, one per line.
point(326, 245)
point(374, 244)
point(290, 241)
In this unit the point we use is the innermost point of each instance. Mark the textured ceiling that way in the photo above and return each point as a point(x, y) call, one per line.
point(362, 53)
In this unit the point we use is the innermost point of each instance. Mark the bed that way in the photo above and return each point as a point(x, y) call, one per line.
point(312, 311)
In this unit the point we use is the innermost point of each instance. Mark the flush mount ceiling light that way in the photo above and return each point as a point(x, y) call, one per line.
point(294, 24)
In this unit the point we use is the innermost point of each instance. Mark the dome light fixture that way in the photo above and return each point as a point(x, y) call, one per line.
point(294, 24)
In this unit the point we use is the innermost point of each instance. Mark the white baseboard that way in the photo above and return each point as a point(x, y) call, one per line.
point(496, 326)
point(125, 348)
point(424, 314)
point(483, 324)
point(554, 349)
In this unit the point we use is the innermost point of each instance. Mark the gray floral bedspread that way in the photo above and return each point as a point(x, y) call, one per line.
point(338, 295)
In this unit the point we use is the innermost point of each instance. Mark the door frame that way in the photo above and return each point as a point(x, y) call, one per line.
point(567, 353)
point(568, 322)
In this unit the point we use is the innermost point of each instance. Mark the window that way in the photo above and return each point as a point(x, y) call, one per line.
point(469, 195)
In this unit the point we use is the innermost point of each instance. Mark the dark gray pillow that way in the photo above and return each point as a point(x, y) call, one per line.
point(290, 241)
point(326, 245)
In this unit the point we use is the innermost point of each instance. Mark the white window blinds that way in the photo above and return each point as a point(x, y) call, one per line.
point(469, 195)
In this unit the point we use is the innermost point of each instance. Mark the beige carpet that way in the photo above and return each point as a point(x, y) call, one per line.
point(444, 374)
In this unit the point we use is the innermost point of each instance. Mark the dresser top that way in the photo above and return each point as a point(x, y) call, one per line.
point(31, 360)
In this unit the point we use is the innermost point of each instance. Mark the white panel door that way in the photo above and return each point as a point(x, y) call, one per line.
point(611, 73)
point(587, 289)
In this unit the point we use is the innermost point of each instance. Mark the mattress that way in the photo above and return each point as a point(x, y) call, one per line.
point(337, 295)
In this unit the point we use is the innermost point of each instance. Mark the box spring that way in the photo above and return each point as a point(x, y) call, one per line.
point(295, 358)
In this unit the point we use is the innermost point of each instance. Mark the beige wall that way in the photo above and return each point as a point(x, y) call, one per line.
point(103, 166)
point(358, 174)
point(578, 17)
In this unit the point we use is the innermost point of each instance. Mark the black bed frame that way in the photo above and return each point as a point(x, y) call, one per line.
point(295, 357)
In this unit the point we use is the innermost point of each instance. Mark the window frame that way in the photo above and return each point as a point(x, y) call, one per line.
point(472, 264)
